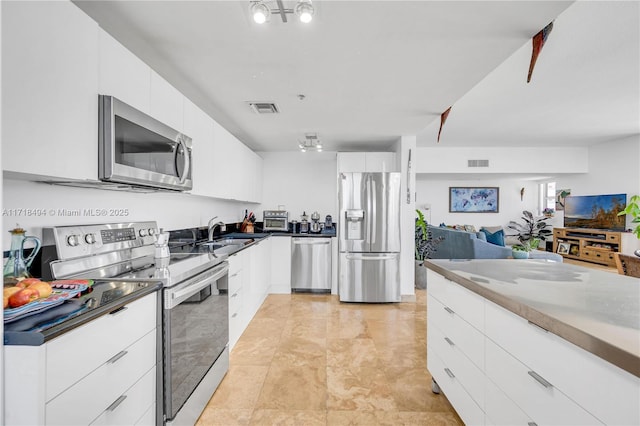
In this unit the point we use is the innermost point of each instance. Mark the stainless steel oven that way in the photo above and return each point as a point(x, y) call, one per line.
point(275, 220)
point(196, 336)
point(137, 149)
point(195, 327)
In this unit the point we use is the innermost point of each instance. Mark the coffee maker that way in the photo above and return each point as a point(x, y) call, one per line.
point(304, 224)
point(328, 224)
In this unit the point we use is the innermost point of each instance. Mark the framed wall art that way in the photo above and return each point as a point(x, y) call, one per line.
point(474, 199)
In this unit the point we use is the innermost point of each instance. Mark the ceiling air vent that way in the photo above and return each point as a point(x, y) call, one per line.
point(477, 163)
point(264, 107)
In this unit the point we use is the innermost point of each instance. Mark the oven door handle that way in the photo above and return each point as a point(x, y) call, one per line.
point(178, 296)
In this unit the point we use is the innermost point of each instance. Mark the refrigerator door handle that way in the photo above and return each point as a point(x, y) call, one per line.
point(387, 256)
point(374, 208)
point(368, 220)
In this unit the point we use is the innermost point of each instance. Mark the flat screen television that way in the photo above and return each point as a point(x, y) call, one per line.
point(595, 211)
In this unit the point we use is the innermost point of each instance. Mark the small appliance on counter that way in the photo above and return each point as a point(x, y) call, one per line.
point(315, 227)
point(328, 225)
point(304, 224)
point(275, 220)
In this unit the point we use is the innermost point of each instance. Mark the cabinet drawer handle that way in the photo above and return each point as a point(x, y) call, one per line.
point(449, 373)
point(117, 402)
point(234, 294)
point(448, 309)
point(234, 315)
point(449, 341)
point(119, 310)
point(116, 357)
point(540, 379)
point(532, 424)
point(234, 275)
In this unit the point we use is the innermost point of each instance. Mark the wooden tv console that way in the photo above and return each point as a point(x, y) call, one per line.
point(588, 245)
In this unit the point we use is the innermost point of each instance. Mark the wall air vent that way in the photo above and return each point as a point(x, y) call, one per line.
point(477, 163)
point(264, 107)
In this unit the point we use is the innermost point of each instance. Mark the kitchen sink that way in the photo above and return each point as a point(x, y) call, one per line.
point(232, 241)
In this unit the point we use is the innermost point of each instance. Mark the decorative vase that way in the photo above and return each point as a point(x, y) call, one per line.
point(519, 254)
point(420, 275)
point(637, 252)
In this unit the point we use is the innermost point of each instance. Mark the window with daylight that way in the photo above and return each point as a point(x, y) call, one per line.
point(547, 198)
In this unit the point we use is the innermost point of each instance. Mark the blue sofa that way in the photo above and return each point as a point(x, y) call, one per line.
point(459, 244)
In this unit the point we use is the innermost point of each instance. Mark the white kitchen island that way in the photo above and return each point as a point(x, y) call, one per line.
point(534, 342)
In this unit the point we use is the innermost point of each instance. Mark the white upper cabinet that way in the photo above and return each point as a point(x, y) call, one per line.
point(122, 74)
point(167, 103)
point(199, 126)
point(237, 170)
point(49, 90)
point(367, 162)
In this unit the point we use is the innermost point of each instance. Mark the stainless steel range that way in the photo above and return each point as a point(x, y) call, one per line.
point(195, 303)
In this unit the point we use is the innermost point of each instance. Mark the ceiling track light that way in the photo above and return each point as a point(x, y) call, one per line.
point(261, 13)
point(311, 142)
point(304, 10)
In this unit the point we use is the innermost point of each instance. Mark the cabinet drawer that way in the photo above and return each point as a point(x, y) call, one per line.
point(235, 281)
point(464, 405)
point(132, 405)
point(464, 302)
point(468, 375)
point(544, 403)
point(579, 374)
point(468, 339)
point(73, 355)
point(148, 418)
point(598, 255)
point(235, 303)
point(236, 263)
point(85, 400)
point(500, 410)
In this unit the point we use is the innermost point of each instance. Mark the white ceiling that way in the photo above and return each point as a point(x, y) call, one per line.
point(374, 70)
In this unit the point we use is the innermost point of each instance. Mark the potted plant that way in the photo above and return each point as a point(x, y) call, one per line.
point(633, 209)
point(548, 212)
point(425, 246)
point(521, 251)
point(532, 228)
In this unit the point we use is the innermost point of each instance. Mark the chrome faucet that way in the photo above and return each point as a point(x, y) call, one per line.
point(212, 227)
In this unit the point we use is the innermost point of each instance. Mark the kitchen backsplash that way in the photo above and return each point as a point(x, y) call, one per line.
point(36, 205)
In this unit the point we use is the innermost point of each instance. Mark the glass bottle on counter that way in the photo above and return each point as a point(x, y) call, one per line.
point(17, 266)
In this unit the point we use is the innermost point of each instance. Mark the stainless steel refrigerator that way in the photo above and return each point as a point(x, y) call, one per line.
point(369, 237)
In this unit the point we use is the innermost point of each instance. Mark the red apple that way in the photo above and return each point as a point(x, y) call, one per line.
point(23, 297)
point(27, 282)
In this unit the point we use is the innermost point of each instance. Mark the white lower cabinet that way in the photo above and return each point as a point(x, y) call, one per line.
point(536, 395)
point(280, 260)
point(236, 303)
point(103, 372)
point(497, 368)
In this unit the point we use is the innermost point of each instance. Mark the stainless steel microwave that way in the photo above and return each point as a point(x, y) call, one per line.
point(137, 149)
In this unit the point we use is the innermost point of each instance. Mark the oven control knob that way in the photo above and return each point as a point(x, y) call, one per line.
point(152, 231)
point(73, 240)
point(90, 238)
point(142, 232)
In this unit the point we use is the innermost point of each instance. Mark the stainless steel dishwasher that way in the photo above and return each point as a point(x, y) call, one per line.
point(311, 265)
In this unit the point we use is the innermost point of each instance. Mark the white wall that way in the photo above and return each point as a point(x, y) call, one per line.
point(434, 193)
point(300, 181)
point(171, 210)
point(614, 168)
point(407, 215)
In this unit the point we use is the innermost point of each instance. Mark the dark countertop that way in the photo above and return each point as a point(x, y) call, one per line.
point(103, 297)
point(596, 310)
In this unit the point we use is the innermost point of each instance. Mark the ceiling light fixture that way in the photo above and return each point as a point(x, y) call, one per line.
point(260, 12)
point(304, 9)
point(311, 142)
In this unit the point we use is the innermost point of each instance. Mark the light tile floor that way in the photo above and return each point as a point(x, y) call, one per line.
point(310, 360)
